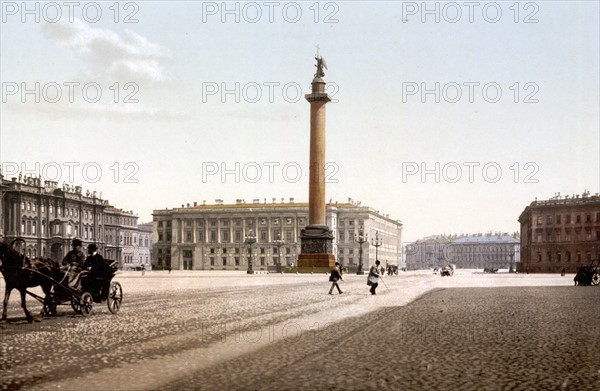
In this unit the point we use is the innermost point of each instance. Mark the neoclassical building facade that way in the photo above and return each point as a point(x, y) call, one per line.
point(477, 251)
point(212, 236)
point(559, 234)
point(47, 217)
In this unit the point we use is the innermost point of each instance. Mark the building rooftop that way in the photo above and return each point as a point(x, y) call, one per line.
point(486, 239)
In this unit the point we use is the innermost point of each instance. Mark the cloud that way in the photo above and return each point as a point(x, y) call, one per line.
point(127, 56)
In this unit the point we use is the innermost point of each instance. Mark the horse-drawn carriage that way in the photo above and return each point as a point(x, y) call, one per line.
point(447, 270)
point(588, 275)
point(21, 273)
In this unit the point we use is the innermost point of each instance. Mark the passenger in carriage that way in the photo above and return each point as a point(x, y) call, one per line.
point(95, 264)
point(74, 260)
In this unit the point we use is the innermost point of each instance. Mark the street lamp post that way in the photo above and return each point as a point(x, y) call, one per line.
point(376, 242)
point(360, 238)
point(279, 242)
point(250, 240)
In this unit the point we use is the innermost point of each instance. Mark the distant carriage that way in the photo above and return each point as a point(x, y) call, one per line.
point(588, 275)
point(21, 273)
point(490, 269)
point(448, 270)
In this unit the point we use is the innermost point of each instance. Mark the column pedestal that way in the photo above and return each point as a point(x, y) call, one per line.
point(316, 249)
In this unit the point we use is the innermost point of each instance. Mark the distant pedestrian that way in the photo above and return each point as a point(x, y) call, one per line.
point(169, 268)
point(373, 279)
point(143, 269)
point(334, 277)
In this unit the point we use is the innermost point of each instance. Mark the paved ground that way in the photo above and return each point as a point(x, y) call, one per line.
point(232, 331)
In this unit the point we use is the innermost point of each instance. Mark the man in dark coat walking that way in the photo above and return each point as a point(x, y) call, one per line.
point(335, 276)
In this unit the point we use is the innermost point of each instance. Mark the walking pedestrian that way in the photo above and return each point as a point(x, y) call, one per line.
point(334, 277)
point(373, 279)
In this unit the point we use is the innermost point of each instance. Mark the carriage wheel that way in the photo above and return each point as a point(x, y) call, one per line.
point(86, 303)
point(596, 279)
point(115, 297)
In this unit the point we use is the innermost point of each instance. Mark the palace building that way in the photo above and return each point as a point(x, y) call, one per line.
point(48, 217)
point(561, 233)
point(466, 251)
point(213, 236)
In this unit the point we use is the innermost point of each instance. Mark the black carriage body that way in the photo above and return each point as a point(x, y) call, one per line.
point(97, 280)
point(588, 275)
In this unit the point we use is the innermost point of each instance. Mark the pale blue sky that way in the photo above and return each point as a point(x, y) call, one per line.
point(373, 50)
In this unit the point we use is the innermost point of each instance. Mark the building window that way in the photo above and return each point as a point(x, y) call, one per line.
point(263, 236)
point(213, 236)
point(225, 236)
point(168, 236)
point(558, 219)
point(568, 256)
point(188, 236)
point(588, 218)
point(578, 219)
point(539, 220)
point(224, 261)
point(237, 261)
point(224, 250)
point(288, 236)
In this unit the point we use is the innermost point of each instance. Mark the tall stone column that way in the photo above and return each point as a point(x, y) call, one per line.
point(316, 249)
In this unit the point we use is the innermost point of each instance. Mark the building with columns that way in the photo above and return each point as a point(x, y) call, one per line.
point(466, 251)
point(561, 233)
point(212, 236)
point(48, 217)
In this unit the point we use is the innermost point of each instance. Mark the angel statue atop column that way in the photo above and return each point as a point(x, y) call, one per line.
point(320, 65)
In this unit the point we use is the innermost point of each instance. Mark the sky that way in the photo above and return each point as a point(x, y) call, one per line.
point(451, 117)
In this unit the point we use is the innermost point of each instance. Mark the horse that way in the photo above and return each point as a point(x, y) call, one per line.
point(21, 273)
